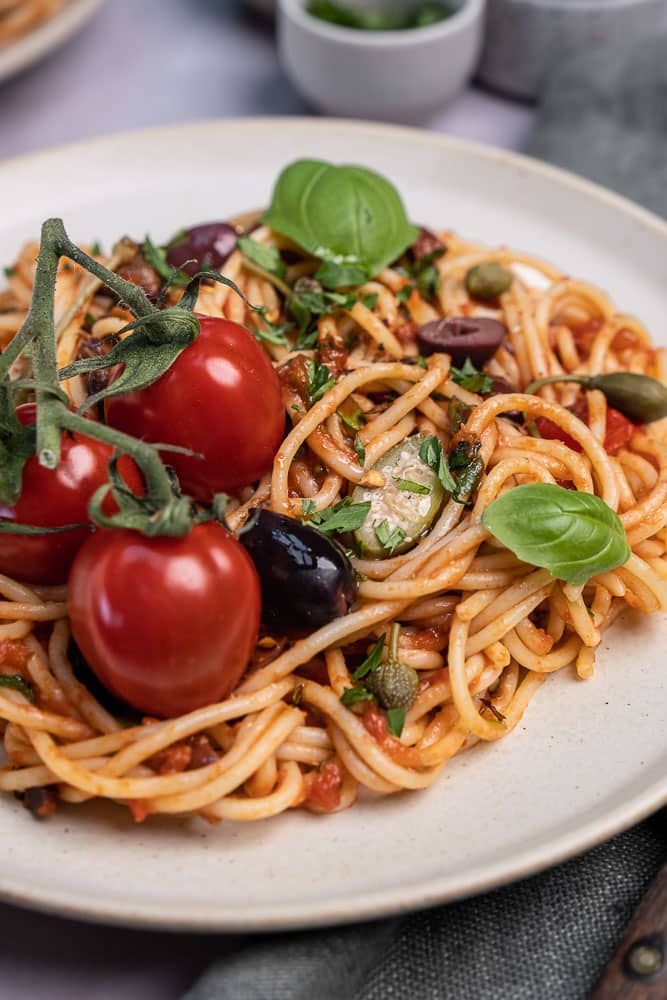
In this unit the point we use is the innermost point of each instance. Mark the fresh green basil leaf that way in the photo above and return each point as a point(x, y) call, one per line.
point(469, 378)
point(348, 214)
point(332, 275)
point(372, 661)
point(395, 720)
point(268, 258)
point(342, 517)
point(573, 535)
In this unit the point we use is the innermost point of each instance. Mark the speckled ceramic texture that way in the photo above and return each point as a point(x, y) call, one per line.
point(390, 75)
point(588, 758)
point(525, 39)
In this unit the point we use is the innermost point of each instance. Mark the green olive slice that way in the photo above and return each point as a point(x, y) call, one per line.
point(404, 508)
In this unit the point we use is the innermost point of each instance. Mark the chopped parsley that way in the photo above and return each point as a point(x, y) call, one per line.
point(471, 379)
point(409, 486)
point(372, 661)
point(320, 380)
point(395, 720)
point(360, 450)
point(389, 539)
point(267, 258)
point(342, 517)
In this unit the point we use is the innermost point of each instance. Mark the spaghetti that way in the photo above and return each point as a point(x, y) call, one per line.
point(482, 629)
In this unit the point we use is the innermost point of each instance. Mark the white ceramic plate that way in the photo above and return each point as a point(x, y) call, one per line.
point(38, 43)
point(589, 758)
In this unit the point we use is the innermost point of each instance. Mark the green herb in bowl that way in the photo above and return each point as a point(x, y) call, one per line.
point(390, 20)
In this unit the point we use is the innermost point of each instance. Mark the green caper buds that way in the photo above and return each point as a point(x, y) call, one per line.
point(394, 684)
point(488, 280)
point(640, 398)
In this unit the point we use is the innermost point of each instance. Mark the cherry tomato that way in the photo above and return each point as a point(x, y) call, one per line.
point(52, 497)
point(220, 398)
point(618, 429)
point(166, 624)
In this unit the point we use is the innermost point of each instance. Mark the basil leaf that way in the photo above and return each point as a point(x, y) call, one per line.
point(471, 379)
point(18, 683)
point(372, 661)
point(395, 720)
point(332, 275)
point(268, 258)
point(344, 516)
point(573, 535)
point(348, 214)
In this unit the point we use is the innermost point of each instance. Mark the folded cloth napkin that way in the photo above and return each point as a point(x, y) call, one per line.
point(603, 116)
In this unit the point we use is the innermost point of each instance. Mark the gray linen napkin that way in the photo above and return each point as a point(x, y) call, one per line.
point(603, 116)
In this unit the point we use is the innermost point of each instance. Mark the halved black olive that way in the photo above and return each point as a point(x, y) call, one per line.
point(202, 247)
point(474, 337)
point(307, 580)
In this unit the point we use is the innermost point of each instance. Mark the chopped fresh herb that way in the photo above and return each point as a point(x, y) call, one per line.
point(351, 696)
point(268, 258)
point(395, 720)
point(89, 320)
point(343, 516)
point(408, 486)
point(372, 661)
point(332, 275)
point(471, 379)
point(96, 248)
point(348, 16)
point(360, 450)
point(388, 538)
point(465, 458)
point(457, 414)
point(421, 361)
point(320, 380)
point(18, 683)
point(370, 301)
point(308, 507)
point(434, 455)
point(9, 272)
point(296, 407)
point(271, 333)
point(355, 422)
point(426, 275)
point(404, 293)
point(156, 257)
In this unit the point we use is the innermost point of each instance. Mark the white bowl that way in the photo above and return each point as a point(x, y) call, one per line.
point(389, 75)
point(525, 39)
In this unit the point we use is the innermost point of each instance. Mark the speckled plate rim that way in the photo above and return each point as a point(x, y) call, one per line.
point(398, 898)
point(38, 43)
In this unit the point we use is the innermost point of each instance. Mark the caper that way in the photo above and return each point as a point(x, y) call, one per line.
point(641, 398)
point(488, 280)
point(404, 508)
point(394, 684)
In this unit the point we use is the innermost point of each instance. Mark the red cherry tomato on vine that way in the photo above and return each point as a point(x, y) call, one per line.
point(166, 624)
point(220, 398)
point(618, 429)
point(53, 497)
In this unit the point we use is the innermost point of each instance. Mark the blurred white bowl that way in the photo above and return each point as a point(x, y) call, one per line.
point(525, 39)
point(389, 75)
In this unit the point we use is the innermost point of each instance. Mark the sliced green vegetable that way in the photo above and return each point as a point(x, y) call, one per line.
point(398, 516)
point(573, 535)
point(347, 214)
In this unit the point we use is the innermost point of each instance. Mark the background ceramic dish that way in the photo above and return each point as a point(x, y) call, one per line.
point(525, 39)
point(32, 47)
point(394, 75)
point(588, 758)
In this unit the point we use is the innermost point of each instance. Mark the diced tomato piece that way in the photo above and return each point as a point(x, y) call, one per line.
point(14, 654)
point(618, 430)
point(552, 432)
point(324, 790)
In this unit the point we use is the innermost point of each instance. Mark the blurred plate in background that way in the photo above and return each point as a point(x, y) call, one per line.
point(48, 36)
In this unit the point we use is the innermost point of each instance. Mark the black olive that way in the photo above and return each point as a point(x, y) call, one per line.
point(474, 337)
point(500, 386)
point(201, 248)
point(307, 580)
